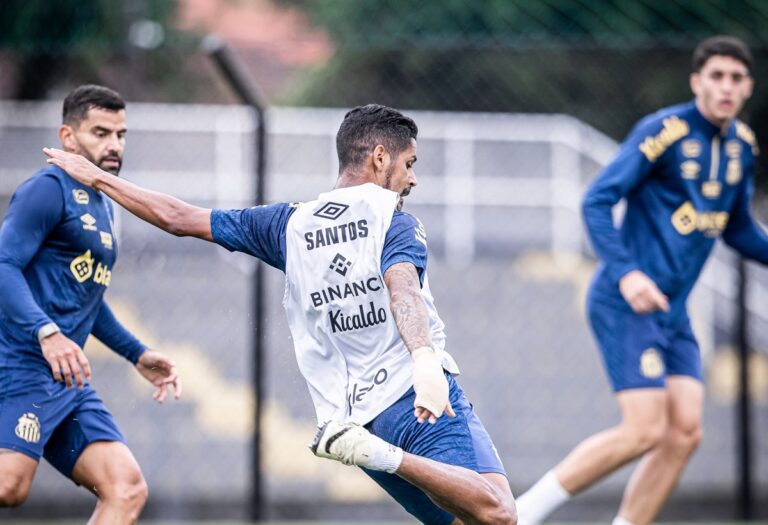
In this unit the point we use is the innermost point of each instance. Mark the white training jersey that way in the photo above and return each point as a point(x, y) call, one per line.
point(346, 341)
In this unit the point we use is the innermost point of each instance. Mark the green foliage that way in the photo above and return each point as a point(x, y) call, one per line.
point(613, 22)
point(608, 62)
point(55, 27)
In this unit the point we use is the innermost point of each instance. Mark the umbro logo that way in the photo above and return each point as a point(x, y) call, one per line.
point(89, 223)
point(340, 264)
point(331, 210)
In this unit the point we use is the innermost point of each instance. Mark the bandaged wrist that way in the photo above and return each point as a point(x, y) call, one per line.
point(423, 351)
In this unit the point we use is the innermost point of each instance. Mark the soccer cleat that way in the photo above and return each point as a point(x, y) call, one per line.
point(348, 443)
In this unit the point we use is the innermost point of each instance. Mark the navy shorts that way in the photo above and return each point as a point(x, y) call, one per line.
point(460, 441)
point(640, 351)
point(47, 419)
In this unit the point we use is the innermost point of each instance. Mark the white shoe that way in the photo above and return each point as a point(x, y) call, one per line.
point(348, 443)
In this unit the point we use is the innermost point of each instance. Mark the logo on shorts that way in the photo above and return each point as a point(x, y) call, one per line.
point(651, 364)
point(28, 428)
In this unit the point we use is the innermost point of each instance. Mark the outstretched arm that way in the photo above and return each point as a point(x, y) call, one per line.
point(164, 211)
point(412, 321)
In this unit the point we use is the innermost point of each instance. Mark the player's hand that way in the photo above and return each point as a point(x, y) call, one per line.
point(77, 166)
point(642, 294)
point(161, 372)
point(67, 360)
point(430, 386)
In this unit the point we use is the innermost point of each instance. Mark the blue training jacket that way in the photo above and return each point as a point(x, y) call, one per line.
point(686, 183)
point(57, 251)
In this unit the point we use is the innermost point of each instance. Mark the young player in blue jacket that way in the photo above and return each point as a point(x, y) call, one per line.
point(57, 254)
point(686, 175)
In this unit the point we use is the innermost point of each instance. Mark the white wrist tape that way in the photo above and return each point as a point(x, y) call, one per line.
point(429, 381)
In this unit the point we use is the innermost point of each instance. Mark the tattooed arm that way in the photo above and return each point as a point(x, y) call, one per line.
point(407, 306)
point(412, 319)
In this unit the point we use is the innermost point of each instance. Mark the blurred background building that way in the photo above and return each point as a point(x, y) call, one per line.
point(519, 104)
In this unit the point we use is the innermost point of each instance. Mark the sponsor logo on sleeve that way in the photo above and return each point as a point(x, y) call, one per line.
point(746, 134)
point(674, 129)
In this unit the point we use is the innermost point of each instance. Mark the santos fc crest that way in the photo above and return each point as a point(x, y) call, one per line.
point(28, 428)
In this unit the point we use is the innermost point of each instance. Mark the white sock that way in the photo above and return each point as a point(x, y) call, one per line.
point(384, 456)
point(618, 520)
point(541, 500)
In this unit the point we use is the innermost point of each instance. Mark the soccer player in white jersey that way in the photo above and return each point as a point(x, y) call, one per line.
point(367, 336)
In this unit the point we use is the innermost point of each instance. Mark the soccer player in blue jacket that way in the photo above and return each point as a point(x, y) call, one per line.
point(57, 254)
point(686, 175)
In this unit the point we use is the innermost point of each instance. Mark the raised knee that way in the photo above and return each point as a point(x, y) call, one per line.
point(499, 513)
point(130, 495)
point(12, 493)
point(644, 438)
point(686, 440)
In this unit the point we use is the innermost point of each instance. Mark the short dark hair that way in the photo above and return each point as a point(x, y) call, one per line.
point(365, 127)
point(725, 45)
point(83, 98)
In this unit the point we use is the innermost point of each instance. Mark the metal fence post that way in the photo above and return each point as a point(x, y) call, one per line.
point(248, 93)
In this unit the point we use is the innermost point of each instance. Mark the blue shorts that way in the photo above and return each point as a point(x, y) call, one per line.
point(460, 441)
point(45, 418)
point(640, 351)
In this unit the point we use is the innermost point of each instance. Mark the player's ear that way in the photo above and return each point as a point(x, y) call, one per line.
point(750, 84)
point(67, 137)
point(694, 81)
point(379, 157)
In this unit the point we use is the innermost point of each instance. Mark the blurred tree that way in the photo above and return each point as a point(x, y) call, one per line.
point(608, 62)
point(45, 38)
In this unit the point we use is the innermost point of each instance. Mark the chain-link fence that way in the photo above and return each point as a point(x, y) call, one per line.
point(498, 195)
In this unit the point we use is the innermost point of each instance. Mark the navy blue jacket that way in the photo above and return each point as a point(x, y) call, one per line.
point(686, 183)
point(57, 252)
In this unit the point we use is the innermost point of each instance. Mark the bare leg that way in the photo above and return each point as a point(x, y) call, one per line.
point(644, 420)
point(16, 473)
point(643, 423)
point(471, 497)
point(109, 470)
point(657, 473)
